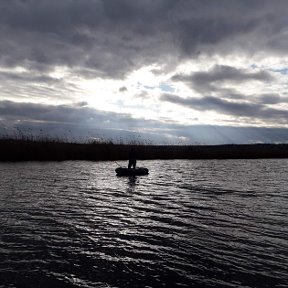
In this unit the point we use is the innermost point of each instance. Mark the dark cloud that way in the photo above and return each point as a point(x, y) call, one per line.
point(231, 74)
point(227, 100)
point(77, 114)
point(212, 80)
point(107, 36)
point(239, 109)
point(78, 122)
point(115, 37)
point(272, 99)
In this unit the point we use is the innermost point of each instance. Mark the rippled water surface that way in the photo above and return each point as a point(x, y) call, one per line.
point(186, 224)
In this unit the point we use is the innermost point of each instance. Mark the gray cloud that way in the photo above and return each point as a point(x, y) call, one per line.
point(109, 37)
point(76, 114)
point(271, 99)
point(240, 109)
point(227, 73)
point(28, 77)
point(115, 37)
point(79, 122)
point(123, 89)
point(32, 84)
point(212, 80)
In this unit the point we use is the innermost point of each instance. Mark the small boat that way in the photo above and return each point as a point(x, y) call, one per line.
point(131, 172)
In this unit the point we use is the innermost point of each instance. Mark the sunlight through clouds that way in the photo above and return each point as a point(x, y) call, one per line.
point(158, 64)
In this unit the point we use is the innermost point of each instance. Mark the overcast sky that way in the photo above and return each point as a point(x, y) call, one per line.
point(165, 71)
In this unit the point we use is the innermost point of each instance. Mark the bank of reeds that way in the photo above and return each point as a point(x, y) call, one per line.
point(48, 149)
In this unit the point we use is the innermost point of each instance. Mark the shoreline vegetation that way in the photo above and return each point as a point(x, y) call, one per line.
point(29, 149)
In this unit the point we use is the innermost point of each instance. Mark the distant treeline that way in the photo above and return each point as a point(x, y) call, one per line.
point(49, 150)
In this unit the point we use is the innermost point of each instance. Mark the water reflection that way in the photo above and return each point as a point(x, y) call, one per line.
point(185, 224)
point(132, 182)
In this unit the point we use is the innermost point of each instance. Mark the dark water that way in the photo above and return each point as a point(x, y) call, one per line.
point(187, 224)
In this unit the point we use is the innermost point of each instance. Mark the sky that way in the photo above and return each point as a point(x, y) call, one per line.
point(151, 71)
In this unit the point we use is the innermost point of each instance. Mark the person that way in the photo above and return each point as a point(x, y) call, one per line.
point(132, 159)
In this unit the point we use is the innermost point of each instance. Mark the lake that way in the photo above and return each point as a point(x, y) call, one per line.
point(213, 223)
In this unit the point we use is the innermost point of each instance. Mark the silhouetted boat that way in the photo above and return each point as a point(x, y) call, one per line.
point(131, 172)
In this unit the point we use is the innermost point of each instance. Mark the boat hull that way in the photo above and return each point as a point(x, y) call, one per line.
point(131, 172)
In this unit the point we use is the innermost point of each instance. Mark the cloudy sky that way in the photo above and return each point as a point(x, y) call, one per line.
point(164, 71)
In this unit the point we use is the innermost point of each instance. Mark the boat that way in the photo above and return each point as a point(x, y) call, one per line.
point(121, 171)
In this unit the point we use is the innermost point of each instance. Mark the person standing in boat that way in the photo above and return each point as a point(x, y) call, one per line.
point(132, 159)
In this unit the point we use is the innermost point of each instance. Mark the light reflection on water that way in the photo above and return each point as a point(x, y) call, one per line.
point(188, 223)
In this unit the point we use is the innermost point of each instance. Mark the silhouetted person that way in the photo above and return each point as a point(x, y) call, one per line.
point(132, 159)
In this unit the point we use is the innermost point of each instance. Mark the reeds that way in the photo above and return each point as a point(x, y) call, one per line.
point(21, 146)
point(44, 148)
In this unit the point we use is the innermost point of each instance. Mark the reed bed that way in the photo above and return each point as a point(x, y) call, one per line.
point(51, 149)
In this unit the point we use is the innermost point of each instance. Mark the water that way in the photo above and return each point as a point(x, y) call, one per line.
point(186, 224)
